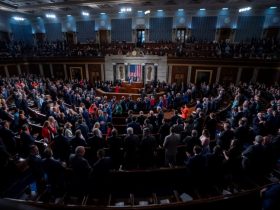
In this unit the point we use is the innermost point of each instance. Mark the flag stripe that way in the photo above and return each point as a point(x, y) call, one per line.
point(135, 70)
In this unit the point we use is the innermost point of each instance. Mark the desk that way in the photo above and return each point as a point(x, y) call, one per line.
point(134, 96)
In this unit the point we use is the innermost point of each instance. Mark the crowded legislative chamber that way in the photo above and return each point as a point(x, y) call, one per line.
point(140, 104)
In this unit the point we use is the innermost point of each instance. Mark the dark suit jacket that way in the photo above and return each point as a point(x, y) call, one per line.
point(26, 140)
point(61, 148)
point(9, 141)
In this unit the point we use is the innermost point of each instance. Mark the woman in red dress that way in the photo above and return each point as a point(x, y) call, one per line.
point(184, 112)
point(117, 89)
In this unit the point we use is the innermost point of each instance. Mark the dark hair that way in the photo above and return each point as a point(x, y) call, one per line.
point(114, 132)
point(60, 130)
point(101, 153)
point(48, 152)
point(197, 149)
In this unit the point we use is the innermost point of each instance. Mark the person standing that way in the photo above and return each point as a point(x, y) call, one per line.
point(170, 145)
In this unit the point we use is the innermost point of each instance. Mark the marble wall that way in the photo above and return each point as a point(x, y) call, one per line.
point(160, 62)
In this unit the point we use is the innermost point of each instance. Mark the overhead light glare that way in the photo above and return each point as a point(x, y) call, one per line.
point(159, 10)
point(202, 9)
point(273, 7)
point(17, 18)
point(85, 13)
point(147, 12)
point(225, 8)
point(245, 9)
point(126, 9)
point(180, 10)
point(51, 16)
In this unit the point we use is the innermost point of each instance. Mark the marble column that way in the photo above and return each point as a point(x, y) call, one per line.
point(18, 69)
point(41, 70)
point(6, 71)
point(218, 74)
point(51, 69)
point(87, 73)
point(189, 74)
point(238, 75)
point(169, 75)
point(65, 71)
point(255, 74)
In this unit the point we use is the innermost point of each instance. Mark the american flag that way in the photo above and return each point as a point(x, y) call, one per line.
point(135, 71)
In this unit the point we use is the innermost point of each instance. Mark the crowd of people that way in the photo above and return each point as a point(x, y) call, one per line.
point(78, 130)
point(192, 48)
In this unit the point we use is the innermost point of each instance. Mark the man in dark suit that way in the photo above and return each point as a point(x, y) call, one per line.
point(253, 158)
point(225, 137)
point(135, 125)
point(147, 149)
point(115, 144)
point(95, 143)
point(191, 141)
point(196, 165)
point(131, 143)
point(101, 172)
point(26, 141)
point(242, 133)
point(83, 127)
point(35, 163)
point(78, 140)
point(55, 172)
point(8, 138)
point(81, 170)
point(61, 146)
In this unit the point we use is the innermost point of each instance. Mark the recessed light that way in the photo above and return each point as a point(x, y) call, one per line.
point(245, 9)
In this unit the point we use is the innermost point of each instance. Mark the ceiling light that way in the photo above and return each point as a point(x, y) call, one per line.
point(225, 8)
point(159, 10)
point(102, 13)
point(273, 7)
point(202, 9)
point(126, 9)
point(49, 15)
point(140, 11)
point(245, 9)
point(147, 12)
point(17, 18)
point(180, 10)
point(85, 13)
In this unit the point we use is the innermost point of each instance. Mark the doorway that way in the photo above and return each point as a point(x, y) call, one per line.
point(181, 34)
point(140, 37)
point(70, 37)
point(103, 34)
point(76, 73)
point(224, 34)
point(202, 76)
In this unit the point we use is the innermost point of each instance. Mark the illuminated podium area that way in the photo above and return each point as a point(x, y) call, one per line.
point(134, 87)
point(127, 89)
